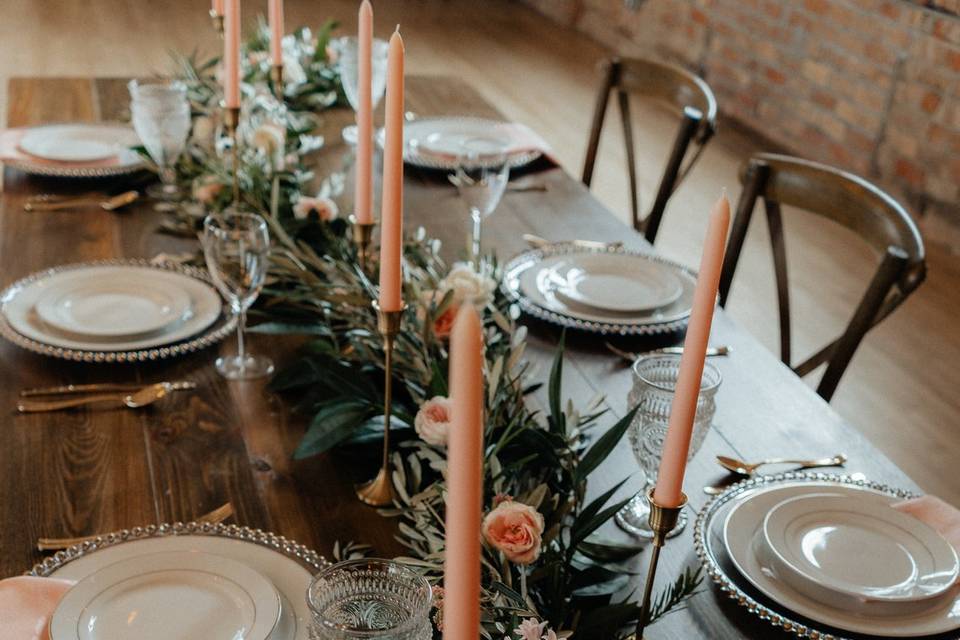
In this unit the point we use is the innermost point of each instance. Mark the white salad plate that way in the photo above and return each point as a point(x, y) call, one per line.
point(287, 566)
point(822, 546)
point(611, 282)
point(20, 307)
point(438, 142)
point(745, 547)
point(172, 595)
point(78, 142)
point(138, 302)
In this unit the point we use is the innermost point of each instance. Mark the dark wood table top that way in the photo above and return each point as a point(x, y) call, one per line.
point(83, 472)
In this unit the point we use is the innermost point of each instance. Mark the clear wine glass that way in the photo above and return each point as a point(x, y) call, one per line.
point(370, 598)
point(236, 247)
point(654, 382)
point(349, 63)
point(481, 177)
point(161, 117)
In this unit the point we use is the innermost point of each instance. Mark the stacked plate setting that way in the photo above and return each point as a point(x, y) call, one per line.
point(81, 150)
point(181, 582)
point(834, 552)
point(113, 311)
point(610, 291)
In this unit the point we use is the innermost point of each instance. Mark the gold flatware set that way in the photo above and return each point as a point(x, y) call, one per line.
point(123, 395)
point(52, 202)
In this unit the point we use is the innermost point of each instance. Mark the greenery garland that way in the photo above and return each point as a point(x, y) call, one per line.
point(547, 572)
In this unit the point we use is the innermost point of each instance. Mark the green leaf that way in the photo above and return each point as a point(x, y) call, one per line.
point(557, 418)
point(334, 423)
point(592, 517)
point(606, 622)
point(607, 550)
point(604, 445)
point(289, 328)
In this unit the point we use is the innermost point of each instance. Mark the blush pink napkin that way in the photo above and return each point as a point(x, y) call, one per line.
point(26, 604)
point(940, 516)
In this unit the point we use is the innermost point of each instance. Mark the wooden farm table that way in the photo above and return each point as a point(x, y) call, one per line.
point(83, 472)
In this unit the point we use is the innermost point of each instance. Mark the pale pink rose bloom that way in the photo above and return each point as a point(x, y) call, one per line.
point(514, 529)
point(325, 208)
point(550, 635)
point(530, 629)
point(432, 422)
point(206, 193)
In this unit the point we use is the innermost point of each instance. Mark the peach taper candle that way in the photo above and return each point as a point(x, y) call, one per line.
point(275, 13)
point(231, 55)
point(391, 210)
point(363, 197)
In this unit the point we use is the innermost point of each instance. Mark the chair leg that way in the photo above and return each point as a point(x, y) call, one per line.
point(753, 186)
point(890, 270)
point(688, 127)
point(624, 101)
point(611, 76)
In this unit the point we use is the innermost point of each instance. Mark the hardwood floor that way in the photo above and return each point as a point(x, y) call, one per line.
point(900, 389)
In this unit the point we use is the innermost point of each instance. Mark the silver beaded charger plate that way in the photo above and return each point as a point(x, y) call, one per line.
point(723, 569)
point(221, 327)
point(288, 565)
point(521, 287)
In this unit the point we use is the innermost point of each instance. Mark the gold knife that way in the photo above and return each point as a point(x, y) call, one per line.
point(71, 389)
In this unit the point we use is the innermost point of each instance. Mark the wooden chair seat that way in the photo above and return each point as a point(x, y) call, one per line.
point(674, 87)
point(850, 201)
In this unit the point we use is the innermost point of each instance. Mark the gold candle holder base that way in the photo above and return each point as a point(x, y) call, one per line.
point(217, 20)
point(662, 520)
point(379, 492)
point(363, 239)
point(231, 122)
point(276, 77)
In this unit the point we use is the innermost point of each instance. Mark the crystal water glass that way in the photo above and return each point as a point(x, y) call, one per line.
point(161, 117)
point(370, 598)
point(654, 382)
point(237, 251)
point(348, 60)
point(481, 177)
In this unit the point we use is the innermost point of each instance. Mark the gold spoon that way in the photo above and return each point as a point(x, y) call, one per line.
point(110, 204)
point(746, 469)
point(143, 397)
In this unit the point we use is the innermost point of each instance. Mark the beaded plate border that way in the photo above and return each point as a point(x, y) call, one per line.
point(729, 586)
point(510, 286)
point(308, 557)
point(59, 171)
point(213, 334)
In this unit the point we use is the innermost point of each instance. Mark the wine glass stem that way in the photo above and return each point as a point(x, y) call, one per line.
point(477, 220)
point(241, 326)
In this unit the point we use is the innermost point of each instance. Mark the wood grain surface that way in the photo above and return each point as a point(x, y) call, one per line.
point(83, 472)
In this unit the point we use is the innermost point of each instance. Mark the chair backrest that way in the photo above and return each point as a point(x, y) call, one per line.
point(851, 202)
point(672, 86)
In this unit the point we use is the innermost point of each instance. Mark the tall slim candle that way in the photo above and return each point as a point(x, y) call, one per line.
point(217, 8)
point(461, 574)
point(673, 462)
point(391, 210)
point(363, 197)
point(231, 54)
point(275, 12)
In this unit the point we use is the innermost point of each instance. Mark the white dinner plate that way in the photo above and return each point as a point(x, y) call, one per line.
point(138, 303)
point(546, 284)
point(742, 531)
point(173, 595)
point(819, 544)
point(610, 282)
point(288, 576)
point(78, 142)
point(437, 142)
point(20, 308)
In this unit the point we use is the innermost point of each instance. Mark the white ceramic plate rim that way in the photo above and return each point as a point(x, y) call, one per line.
point(645, 273)
point(108, 139)
point(739, 549)
point(18, 309)
point(50, 306)
point(927, 545)
point(75, 604)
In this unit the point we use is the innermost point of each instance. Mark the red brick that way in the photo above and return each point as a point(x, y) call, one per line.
point(800, 21)
point(698, 16)
point(823, 99)
point(775, 76)
point(953, 59)
point(817, 6)
point(890, 10)
point(909, 172)
point(930, 102)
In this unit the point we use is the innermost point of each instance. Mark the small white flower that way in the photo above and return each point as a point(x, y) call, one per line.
point(468, 285)
point(325, 208)
point(293, 72)
point(271, 139)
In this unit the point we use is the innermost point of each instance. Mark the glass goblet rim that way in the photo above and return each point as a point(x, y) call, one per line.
point(709, 381)
point(416, 617)
point(214, 224)
point(157, 88)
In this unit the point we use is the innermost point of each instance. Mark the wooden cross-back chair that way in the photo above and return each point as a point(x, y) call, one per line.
point(855, 204)
point(681, 90)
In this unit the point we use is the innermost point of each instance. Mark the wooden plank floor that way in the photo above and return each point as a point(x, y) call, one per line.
point(900, 390)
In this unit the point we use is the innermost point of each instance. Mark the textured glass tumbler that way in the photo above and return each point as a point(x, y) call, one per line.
point(370, 598)
point(654, 381)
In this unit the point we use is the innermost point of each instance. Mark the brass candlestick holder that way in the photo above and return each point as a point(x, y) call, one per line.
point(379, 492)
point(217, 20)
point(363, 239)
point(662, 521)
point(231, 121)
point(276, 77)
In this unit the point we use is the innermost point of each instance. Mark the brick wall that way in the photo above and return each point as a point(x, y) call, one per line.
point(869, 85)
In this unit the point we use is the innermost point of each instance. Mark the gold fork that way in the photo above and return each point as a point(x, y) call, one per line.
point(216, 516)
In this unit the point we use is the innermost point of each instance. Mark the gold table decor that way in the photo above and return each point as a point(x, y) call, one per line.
point(217, 20)
point(363, 239)
point(662, 520)
point(231, 123)
point(379, 492)
point(276, 77)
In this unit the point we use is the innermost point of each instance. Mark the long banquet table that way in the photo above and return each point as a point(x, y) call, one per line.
point(83, 472)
